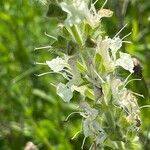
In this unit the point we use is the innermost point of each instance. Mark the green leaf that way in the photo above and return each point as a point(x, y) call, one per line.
point(88, 29)
point(55, 11)
point(72, 48)
point(60, 44)
point(90, 43)
point(81, 67)
point(89, 93)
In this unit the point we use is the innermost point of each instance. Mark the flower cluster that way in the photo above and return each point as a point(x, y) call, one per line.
point(89, 62)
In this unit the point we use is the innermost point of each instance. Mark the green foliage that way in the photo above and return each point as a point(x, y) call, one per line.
point(30, 110)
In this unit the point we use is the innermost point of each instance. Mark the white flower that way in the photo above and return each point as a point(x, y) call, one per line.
point(93, 18)
point(115, 85)
point(89, 112)
point(56, 64)
point(91, 128)
point(64, 92)
point(75, 10)
point(115, 45)
point(124, 98)
point(103, 50)
point(78, 10)
point(110, 62)
point(129, 102)
point(126, 62)
point(101, 137)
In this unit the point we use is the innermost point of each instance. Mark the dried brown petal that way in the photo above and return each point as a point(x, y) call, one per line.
point(105, 13)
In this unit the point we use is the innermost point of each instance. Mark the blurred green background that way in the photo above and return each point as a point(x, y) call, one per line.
point(30, 110)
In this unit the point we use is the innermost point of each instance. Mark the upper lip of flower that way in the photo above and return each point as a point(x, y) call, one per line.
point(89, 112)
point(124, 97)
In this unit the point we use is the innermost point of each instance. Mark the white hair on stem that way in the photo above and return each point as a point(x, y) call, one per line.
point(44, 47)
point(50, 36)
point(104, 4)
point(120, 30)
point(126, 35)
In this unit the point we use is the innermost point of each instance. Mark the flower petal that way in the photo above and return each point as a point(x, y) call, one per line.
point(116, 44)
point(56, 64)
point(75, 11)
point(64, 92)
point(125, 61)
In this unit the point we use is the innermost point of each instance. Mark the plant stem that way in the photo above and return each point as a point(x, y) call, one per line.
point(77, 34)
